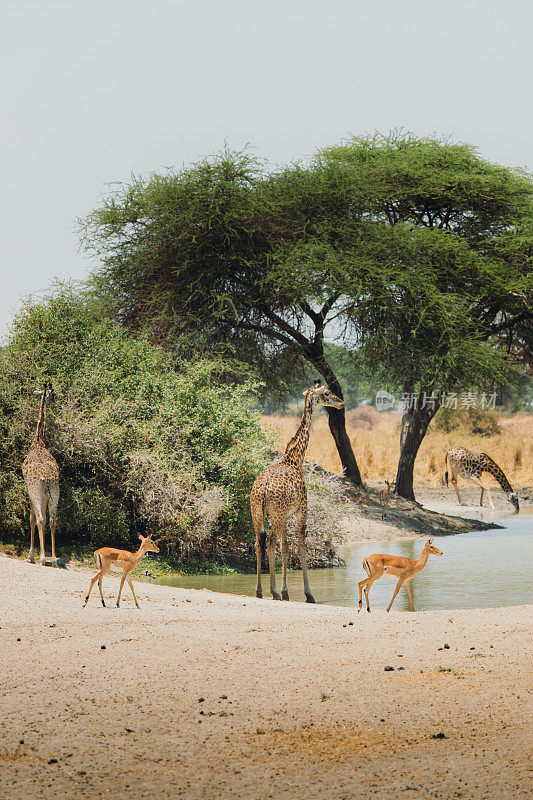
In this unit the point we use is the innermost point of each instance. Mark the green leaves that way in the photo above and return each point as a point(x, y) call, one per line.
point(139, 441)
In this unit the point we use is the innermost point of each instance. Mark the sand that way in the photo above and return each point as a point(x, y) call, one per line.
point(202, 695)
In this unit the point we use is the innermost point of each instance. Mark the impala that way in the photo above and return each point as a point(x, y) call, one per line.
point(404, 569)
point(107, 557)
point(384, 497)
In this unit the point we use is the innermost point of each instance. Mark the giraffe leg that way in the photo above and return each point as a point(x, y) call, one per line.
point(259, 589)
point(301, 521)
point(408, 587)
point(284, 558)
point(52, 507)
point(454, 484)
point(33, 521)
point(259, 526)
point(271, 549)
point(398, 586)
point(477, 481)
point(40, 527)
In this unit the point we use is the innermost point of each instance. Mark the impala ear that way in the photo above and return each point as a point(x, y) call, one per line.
point(141, 537)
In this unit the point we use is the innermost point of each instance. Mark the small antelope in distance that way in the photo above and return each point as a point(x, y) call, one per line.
point(404, 569)
point(107, 557)
point(384, 497)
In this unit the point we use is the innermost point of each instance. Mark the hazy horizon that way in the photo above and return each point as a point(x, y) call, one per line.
point(95, 93)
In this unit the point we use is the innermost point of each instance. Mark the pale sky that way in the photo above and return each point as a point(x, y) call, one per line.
point(93, 90)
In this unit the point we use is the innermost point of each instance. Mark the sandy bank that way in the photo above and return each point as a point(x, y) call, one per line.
point(294, 702)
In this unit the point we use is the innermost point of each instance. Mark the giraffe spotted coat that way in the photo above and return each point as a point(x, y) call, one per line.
point(41, 475)
point(280, 491)
point(471, 466)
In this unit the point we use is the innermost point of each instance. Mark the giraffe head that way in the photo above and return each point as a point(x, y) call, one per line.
point(513, 498)
point(323, 396)
point(46, 393)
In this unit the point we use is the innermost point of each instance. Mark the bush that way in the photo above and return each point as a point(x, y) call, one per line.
point(141, 445)
point(470, 420)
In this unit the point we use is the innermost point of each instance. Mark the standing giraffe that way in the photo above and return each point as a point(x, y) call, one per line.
point(41, 474)
point(280, 491)
point(471, 466)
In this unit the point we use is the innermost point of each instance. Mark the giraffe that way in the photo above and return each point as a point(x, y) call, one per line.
point(280, 491)
point(41, 474)
point(471, 466)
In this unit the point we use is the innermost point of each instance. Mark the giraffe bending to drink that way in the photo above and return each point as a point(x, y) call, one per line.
point(280, 491)
point(471, 466)
point(41, 474)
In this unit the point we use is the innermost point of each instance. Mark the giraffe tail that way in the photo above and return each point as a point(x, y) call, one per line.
point(446, 469)
point(262, 544)
point(262, 534)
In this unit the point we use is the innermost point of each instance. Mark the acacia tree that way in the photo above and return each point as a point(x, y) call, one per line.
point(414, 249)
point(189, 256)
point(451, 218)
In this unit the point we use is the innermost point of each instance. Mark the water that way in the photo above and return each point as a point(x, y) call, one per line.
point(482, 569)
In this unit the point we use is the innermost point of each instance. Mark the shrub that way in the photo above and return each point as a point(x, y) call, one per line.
point(141, 445)
point(471, 420)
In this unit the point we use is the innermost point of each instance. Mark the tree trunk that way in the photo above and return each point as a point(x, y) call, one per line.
point(414, 428)
point(336, 416)
point(337, 426)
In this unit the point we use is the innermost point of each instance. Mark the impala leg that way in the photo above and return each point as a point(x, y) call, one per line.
point(360, 585)
point(398, 585)
point(101, 591)
point(408, 588)
point(33, 521)
point(284, 559)
point(102, 569)
point(120, 587)
point(369, 582)
point(130, 583)
point(93, 581)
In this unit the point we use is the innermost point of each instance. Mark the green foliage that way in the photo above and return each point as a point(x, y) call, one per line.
point(141, 444)
point(473, 421)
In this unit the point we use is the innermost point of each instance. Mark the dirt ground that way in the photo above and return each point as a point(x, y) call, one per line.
point(436, 512)
point(199, 695)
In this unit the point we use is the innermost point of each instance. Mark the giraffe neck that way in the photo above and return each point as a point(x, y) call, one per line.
point(497, 472)
point(295, 450)
point(41, 421)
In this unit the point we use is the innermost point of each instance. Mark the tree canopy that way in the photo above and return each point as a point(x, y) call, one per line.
point(416, 253)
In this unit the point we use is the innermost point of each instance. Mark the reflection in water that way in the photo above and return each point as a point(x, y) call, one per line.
point(481, 569)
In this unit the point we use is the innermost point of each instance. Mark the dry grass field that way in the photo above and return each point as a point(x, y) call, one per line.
point(375, 439)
